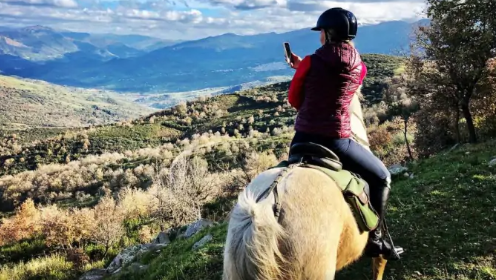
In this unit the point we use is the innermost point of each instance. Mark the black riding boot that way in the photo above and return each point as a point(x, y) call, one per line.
point(377, 244)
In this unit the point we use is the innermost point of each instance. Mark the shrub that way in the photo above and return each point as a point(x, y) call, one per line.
point(256, 163)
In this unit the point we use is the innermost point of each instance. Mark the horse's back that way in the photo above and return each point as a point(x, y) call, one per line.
point(319, 223)
point(315, 235)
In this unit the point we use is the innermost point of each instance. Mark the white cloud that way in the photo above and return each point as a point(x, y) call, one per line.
point(250, 4)
point(54, 3)
point(185, 19)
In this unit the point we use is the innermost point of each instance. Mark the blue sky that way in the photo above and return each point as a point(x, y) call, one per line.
point(185, 19)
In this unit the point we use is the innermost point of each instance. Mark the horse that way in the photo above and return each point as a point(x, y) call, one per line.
point(314, 236)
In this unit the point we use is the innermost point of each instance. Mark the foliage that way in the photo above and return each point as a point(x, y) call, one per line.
point(459, 43)
point(390, 141)
point(379, 69)
point(400, 104)
point(181, 191)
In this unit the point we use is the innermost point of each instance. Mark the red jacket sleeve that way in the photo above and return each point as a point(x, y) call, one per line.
point(295, 95)
point(363, 73)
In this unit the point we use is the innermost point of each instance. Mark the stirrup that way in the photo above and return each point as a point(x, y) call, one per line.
point(396, 251)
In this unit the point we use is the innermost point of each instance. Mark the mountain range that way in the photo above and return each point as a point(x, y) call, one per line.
point(135, 63)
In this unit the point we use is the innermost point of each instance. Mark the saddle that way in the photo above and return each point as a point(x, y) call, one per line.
point(354, 188)
point(312, 153)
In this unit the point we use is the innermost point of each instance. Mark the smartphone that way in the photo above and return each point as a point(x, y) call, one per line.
point(287, 50)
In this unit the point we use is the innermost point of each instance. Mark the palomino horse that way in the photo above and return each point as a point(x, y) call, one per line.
point(315, 235)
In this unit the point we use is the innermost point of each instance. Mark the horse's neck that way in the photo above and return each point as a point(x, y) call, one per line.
point(358, 128)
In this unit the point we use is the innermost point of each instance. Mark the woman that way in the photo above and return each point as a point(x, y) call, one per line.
point(321, 90)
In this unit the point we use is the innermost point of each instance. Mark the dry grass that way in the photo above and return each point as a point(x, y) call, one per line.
point(54, 267)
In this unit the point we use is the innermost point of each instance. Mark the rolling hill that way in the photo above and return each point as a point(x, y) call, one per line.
point(118, 138)
point(31, 103)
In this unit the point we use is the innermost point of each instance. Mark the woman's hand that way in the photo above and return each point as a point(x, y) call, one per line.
point(296, 61)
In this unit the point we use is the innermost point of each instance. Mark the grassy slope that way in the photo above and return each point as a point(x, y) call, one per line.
point(445, 217)
point(30, 103)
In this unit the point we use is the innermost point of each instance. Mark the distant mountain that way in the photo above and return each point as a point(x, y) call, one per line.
point(35, 43)
point(31, 103)
point(218, 61)
point(138, 42)
point(123, 51)
point(146, 46)
point(43, 44)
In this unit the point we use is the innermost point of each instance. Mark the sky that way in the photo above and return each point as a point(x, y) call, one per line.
point(187, 20)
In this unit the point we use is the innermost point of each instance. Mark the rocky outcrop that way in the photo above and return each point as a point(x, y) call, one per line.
point(162, 238)
point(129, 255)
point(207, 238)
point(196, 227)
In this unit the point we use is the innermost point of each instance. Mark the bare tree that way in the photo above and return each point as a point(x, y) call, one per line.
point(182, 190)
point(108, 227)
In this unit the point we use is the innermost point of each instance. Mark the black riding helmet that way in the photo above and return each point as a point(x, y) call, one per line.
point(343, 22)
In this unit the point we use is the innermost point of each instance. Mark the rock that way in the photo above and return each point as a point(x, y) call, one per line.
point(162, 238)
point(152, 247)
point(492, 162)
point(94, 274)
point(124, 257)
point(137, 267)
point(197, 226)
point(397, 169)
point(207, 238)
point(129, 254)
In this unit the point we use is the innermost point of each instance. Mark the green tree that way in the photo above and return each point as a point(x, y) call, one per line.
point(459, 41)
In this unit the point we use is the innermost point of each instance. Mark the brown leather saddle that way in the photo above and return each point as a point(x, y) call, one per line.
point(316, 154)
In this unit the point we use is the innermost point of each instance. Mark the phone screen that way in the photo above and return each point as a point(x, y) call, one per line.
point(288, 51)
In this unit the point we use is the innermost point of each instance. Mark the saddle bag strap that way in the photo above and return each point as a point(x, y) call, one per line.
point(273, 188)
